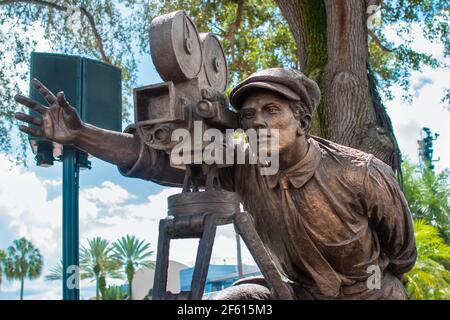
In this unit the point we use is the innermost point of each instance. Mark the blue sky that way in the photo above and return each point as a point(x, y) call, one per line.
point(112, 206)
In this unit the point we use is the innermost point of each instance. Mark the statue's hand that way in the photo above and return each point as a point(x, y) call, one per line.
point(60, 122)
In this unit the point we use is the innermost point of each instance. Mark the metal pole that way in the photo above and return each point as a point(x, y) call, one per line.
point(70, 231)
point(239, 257)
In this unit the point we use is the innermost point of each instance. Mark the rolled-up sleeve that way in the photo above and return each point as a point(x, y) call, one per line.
point(153, 165)
point(390, 217)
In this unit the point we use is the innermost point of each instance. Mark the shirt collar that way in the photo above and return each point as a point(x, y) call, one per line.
point(301, 172)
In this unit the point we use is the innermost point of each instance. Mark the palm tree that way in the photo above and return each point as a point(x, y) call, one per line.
point(2, 261)
point(132, 253)
point(429, 278)
point(428, 195)
point(97, 263)
point(22, 261)
point(56, 272)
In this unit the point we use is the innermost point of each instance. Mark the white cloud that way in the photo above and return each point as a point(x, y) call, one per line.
point(419, 83)
point(52, 182)
point(25, 211)
point(107, 194)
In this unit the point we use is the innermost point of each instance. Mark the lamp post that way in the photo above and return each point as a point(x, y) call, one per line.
point(70, 231)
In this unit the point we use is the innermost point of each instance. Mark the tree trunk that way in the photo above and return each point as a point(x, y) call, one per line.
point(97, 288)
point(22, 283)
point(130, 292)
point(331, 36)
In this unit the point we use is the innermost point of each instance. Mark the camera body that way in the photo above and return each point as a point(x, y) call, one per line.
point(193, 67)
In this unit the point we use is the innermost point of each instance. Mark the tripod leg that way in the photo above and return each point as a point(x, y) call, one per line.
point(243, 223)
point(162, 261)
point(203, 257)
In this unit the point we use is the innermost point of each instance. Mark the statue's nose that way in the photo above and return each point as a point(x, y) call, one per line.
point(259, 121)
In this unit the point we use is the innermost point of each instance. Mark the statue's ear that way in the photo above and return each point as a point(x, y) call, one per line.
point(304, 124)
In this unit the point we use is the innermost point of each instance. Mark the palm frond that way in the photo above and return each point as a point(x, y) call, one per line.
point(96, 259)
point(56, 273)
point(429, 278)
point(23, 260)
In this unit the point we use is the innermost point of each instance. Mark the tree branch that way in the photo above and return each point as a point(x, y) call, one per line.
point(97, 36)
point(233, 27)
point(378, 42)
point(87, 14)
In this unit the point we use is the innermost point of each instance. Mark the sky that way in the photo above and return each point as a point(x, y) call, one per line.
point(112, 206)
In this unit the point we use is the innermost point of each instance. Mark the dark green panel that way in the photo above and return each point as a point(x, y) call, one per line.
point(58, 73)
point(101, 95)
point(92, 87)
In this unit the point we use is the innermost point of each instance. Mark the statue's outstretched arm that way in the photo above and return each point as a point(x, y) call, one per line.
point(61, 123)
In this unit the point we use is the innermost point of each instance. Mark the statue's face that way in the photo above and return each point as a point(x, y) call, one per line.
point(266, 110)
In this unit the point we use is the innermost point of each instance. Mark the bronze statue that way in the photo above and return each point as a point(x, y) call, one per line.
point(330, 213)
point(331, 218)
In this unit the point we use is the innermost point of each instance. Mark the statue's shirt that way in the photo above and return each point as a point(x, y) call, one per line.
point(336, 223)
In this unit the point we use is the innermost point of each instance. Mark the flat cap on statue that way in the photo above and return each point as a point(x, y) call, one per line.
point(290, 83)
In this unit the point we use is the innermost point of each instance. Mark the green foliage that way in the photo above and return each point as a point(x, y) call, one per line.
point(98, 263)
point(254, 35)
point(101, 260)
point(115, 292)
point(132, 253)
point(428, 196)
point(429, 279)
point(23, 261)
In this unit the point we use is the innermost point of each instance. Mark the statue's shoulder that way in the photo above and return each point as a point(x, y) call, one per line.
point(344, 164)
point(352, 163)
point(344, 155)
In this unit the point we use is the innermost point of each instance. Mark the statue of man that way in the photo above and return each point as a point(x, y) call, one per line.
point(333, 218)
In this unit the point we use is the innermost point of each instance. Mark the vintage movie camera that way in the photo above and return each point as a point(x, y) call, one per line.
point(193, 67)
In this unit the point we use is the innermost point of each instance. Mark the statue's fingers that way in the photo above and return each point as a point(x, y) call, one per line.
point(63, 102)
point(32, 131)
point(30, 103)
point(47, 94)
point(28, 119)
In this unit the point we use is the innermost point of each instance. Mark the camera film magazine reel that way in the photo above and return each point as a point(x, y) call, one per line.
point(188, 63)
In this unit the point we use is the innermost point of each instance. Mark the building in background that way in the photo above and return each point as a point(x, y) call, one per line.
point(143, 280)
point(219, 277)
point(179, 278)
